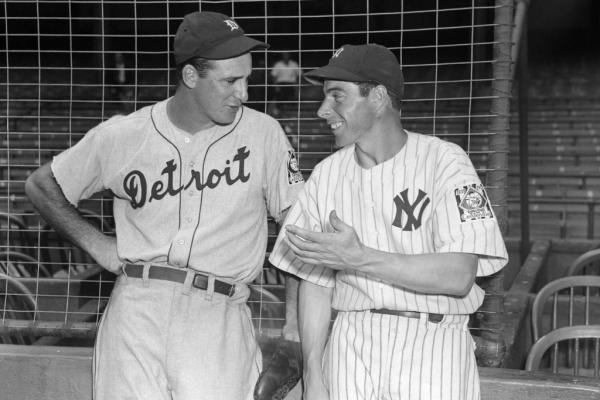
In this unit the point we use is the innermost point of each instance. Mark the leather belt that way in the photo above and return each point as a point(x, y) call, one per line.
point(200, 280)
point(435, 318)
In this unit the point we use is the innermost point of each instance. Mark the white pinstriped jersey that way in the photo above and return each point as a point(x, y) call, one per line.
point(197, 201)
point(426, 199)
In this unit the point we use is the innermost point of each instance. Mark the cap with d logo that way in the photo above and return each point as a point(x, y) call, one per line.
point(213, 36)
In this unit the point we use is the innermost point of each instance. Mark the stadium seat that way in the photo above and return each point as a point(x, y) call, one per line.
point(14, 233)
point(65, 258)
point(18, 264)
point(575, 301)
point(268, 310)
point(575, 351)
point(17, 304)
point(586, 264)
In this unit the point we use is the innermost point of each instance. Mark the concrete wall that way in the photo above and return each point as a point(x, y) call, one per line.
point(45, 373)
point(49, 373)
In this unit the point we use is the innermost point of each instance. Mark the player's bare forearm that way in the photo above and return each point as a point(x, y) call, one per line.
point(290, 330)
point(314, 318)
point(47, 197)
point(434, 273)
point(341, 249)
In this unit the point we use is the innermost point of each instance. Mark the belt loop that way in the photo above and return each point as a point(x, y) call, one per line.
point(146, 275)
point(423, 318)
point(187, 284)
point(124, 270)
point(210, 287)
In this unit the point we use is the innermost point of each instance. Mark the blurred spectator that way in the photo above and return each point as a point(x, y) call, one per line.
point(121, 91)
point(257, 85)
point(285, 75)
point(120, 68)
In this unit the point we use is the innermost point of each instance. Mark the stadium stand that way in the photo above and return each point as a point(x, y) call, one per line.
point(564, 152)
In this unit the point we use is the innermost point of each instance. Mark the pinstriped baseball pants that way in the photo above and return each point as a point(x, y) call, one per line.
point(375, 356)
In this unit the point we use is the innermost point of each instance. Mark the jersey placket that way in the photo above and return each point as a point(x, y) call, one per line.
point(369, 207)
point(374, 183)
point(189, 203)
point(372, 237)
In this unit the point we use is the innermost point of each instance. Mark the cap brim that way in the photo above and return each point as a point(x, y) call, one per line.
point(234, 47)
point(333, 73)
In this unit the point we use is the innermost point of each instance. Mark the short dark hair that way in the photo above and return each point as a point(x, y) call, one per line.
point(364, 88)
point(202, 65)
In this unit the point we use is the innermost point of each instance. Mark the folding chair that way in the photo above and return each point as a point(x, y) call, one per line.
point(268, 310)
point(17, 303)
point(586, 264)
point(573, 301)
point(17, 264)
point(572, 339)
point(67, 259)
point(14, 233)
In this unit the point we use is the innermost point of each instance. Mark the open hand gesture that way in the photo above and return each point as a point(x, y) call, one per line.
point(340, 249)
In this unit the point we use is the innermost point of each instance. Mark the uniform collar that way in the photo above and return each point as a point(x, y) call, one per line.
point(411, 148)
point(165, 127)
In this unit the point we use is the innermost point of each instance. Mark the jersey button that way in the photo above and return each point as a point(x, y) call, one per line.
point(187, 140)
point(192, 164)
point(180, 241)
point(189, 220)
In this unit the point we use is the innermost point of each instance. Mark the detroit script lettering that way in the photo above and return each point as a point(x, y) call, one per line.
point(136, 185)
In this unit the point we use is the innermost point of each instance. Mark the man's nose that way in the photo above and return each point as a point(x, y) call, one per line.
point(324, 111)
point(241, 90)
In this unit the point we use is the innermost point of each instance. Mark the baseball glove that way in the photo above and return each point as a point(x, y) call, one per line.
point(281, 372)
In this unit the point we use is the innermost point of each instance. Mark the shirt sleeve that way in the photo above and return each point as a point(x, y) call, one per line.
point(284, 179)
point(304, 214)
point(463, 220)
point(79, 169)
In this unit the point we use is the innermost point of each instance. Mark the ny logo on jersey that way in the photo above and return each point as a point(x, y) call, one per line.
point(231, 24)
point(404, 206)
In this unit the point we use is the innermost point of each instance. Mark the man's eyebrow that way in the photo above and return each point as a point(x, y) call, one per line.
point(233, 77)
point(333, 89)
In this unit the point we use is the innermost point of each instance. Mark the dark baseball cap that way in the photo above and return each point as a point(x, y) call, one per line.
point(213, 36)
point(363, 63)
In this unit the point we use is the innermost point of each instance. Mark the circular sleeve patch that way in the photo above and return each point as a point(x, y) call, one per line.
point(294, 174)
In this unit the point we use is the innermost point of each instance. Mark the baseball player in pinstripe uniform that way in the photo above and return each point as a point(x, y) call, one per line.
point(390, 231)
point(193, 178)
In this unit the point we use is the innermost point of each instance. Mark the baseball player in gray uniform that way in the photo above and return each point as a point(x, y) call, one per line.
point(391, 231)
point(193, 178)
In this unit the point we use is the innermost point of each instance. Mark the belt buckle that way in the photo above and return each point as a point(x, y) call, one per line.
point(435, 318)
point(231, 290)
point(200, 281)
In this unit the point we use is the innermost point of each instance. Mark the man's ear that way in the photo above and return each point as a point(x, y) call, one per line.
point(189, 76)
point(379, 96)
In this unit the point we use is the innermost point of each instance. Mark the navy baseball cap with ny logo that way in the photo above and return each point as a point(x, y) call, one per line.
point(213, 36)
point(363, 63)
